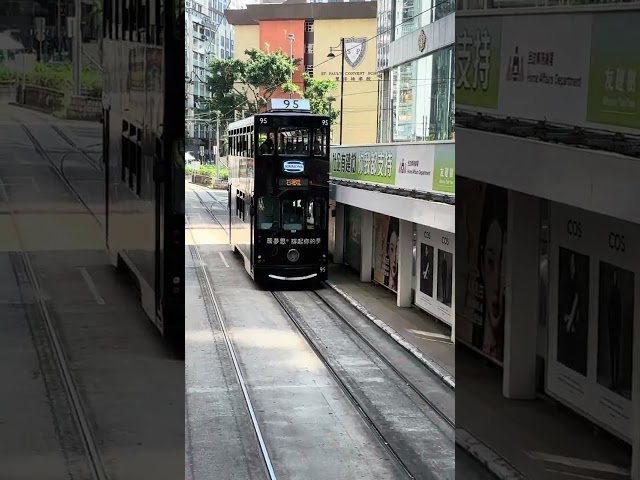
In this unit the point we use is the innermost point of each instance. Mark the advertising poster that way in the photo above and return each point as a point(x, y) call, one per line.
point(482, 230)
point(435, 267)
point(593, 321)
point(425, 281)
point(424, 167)
point(385, 252)
point(614, 91)
point(615, 329)
point(544, 70)
point(478, 46)
point(352, 248)
point(573, 310)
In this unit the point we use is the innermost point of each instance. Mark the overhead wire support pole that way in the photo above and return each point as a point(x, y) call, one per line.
point(342, 91)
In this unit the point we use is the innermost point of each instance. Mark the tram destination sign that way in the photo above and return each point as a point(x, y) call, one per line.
point(294, 182)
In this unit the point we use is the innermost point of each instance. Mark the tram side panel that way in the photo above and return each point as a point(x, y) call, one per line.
point(132, 193)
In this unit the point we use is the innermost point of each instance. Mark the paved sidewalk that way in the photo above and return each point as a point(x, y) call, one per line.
point(513, 439)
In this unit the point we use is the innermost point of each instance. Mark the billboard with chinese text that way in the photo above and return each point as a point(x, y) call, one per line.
point(532, 67)
point(424, 167)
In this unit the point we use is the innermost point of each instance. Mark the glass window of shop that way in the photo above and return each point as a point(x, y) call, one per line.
point(422, 98)
point(411, 15)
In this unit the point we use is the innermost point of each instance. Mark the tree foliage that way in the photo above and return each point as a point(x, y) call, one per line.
point(317, 92)
point(247, 84)
point(237, 85)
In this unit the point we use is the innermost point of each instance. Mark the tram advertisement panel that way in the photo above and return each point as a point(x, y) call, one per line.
point(593, 317)
point(385, 250)
point(481, 228)
point(435, 284)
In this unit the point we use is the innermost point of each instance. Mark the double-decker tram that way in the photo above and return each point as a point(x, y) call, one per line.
point(279, 192)
point(143, 153)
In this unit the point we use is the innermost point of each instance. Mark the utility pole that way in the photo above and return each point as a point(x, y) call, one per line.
point(77, 49)
point(218, 145)
point(291, 38)
point(59, 27)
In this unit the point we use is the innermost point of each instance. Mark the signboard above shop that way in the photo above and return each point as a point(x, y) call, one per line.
point(532, 67)
point(424, 166)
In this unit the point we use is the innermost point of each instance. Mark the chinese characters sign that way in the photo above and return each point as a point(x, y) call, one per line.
point(424, 167)
point(375, 165)
point(613, 77)
point(444, 169)
point(293, 241)
point(478, 61)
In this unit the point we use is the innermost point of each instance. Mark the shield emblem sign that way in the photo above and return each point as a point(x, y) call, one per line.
point(354, 50)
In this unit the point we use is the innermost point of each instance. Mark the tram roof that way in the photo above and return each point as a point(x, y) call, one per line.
point(249, 121)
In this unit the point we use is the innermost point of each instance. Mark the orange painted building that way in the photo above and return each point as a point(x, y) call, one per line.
point(275, 33)
point(318, 29)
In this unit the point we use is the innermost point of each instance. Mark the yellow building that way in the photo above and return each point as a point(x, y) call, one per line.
point(313, 31)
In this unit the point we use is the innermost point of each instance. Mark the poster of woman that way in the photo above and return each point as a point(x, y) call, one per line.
point(573, 310)
point(426, 269)
point(385, 269)
point(615, 329)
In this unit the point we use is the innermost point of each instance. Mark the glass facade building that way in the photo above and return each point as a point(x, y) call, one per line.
point(417, 91)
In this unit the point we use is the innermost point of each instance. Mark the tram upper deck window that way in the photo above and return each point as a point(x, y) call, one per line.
point(320, 141)
point(266, 141)
point(293, 141)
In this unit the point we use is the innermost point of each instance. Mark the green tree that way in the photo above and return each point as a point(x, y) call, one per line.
point(247, 84)
point(317, 92)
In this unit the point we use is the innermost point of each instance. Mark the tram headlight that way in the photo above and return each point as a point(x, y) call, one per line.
point(293, 255)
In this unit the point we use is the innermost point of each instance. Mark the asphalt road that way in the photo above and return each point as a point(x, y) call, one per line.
point(130, 385)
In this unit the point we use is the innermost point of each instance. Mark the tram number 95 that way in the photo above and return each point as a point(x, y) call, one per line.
point(325, 122)
point(264, 120)
point(574, 228)
point(323, 269)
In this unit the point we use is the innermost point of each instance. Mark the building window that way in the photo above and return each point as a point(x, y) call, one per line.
point(429, 79)
point(308, 48)
point(308, 25)
point(309, 70)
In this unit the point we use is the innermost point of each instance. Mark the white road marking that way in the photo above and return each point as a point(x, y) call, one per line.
point(223, 259)
point(579, 463)
point(92, 286)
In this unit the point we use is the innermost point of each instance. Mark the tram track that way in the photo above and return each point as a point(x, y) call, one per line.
point(58, 170)
point(209, 209)
point(432, 405)
point(207, 290)
point(52, 348)
point(409, 467)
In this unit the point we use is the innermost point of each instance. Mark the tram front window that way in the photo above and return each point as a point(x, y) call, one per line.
point(268, 213)
point(292, 215)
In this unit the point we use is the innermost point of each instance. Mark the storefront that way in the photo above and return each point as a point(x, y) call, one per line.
point(593, 298)
point(374, 229)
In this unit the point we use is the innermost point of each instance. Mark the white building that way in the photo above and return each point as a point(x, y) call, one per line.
point(207, 35)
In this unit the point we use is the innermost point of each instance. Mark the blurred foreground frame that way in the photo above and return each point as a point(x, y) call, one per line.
point(92, 239)
point(548, 226)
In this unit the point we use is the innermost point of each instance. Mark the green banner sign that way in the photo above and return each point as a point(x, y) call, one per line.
point(444, 169)
point(376, 165)
point(478, 47)
point(614, 92)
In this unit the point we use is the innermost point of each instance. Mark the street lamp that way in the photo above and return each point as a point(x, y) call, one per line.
point(332, 55)
point(291, 39)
